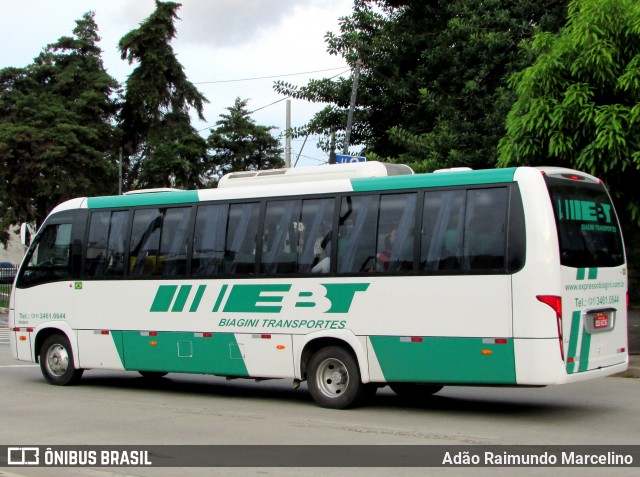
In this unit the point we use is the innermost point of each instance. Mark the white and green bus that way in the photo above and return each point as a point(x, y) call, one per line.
point(348, 277)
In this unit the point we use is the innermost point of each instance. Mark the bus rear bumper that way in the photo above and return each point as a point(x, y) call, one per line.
point(539, 363)
point(594, 373)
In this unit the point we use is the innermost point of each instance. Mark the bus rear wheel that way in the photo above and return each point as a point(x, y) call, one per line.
point(56, 361)
point(334, 378)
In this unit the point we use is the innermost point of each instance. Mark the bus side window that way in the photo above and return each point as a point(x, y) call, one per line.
point(357, 234)
point(174, 241)
point(442, 231)
point(145, 242)
point(485, 229)
point(396, 227)
point(104, 255)
point(281, 237)
point(159, 239)
point(96, 249)
point(242, 230)
point(208, 240)
point(317, 222)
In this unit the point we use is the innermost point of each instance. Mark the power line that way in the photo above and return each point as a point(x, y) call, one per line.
point(270, 104)
point(269, 77)
point(318, 159)
point(283, 99)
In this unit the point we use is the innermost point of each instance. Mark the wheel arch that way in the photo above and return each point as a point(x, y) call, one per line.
point(45, 332)
point(310, 344)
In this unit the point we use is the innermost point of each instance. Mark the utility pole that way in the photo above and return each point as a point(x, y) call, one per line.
point(287, 148)
point(352, 105)
point(332, 151)
point(120, 172)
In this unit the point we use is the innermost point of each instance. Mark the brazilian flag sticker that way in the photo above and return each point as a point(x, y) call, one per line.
point(77, 285)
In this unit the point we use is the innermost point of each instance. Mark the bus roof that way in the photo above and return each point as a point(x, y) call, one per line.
point(312, 174)
point(330, 179)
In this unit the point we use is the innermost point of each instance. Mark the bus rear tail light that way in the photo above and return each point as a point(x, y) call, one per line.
point(555, 302)
point(573, 177)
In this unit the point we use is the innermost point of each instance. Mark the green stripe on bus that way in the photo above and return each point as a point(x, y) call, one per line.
point(164, 297)
point(445, 360)
point(181, 352)
point(181, 299)
point(440, 179)
point(223, 290)
point(117, 340)
point(585, 347)
point(588, 273)
point(197, 299)
point(155, 198)
point(573, 340)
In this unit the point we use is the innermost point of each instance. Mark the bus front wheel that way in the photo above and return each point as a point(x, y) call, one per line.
point(56, 361)
point(334, 378)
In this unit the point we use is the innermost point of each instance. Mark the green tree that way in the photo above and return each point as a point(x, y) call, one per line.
point(237, 143)
point(431, 89)
point(56, 127)
point(162, 146)
point(579, 104)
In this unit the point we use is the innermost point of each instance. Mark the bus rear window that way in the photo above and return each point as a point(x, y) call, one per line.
point(588, 228)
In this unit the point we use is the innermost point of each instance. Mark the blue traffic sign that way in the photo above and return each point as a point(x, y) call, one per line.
point(344, 159)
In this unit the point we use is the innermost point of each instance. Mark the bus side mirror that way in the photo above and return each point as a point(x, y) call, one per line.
point(26, 234)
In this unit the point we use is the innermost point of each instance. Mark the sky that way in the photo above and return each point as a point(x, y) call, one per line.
point(218, 42)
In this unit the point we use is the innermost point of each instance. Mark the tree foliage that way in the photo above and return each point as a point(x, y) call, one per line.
point(237, 143)
point(432, 86)
point(578, 105)
point(163, 148)
point(56, 127)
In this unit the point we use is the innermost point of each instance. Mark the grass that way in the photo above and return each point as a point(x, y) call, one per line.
point(4, 295)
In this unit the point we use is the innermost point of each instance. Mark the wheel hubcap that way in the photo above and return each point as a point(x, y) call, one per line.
point(332, 377)
point(57, 360)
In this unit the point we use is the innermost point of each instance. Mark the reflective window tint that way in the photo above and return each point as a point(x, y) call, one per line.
point(173, 242)
point(145, 242)
point(51, 259)
point(96, 251)
point(104, 256)
point(159, 242)
point(357, 234)
point(442, 231)
point(317, 222)
point(464, 230)
point(281, 237)
point(458, 231)
point(242, 234)
point(208, 240)
point(588, 228)
point(485, 229)
point(396, 228)
point(296, 237)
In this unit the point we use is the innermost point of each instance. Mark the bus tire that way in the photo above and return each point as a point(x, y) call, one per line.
point(415, 391)
point(56, 361)
point(334, 378)
point(152, 374)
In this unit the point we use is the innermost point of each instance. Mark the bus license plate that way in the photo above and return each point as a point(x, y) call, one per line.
point(601, 321)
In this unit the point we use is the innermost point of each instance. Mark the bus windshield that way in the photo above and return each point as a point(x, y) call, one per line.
point(588, 229)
